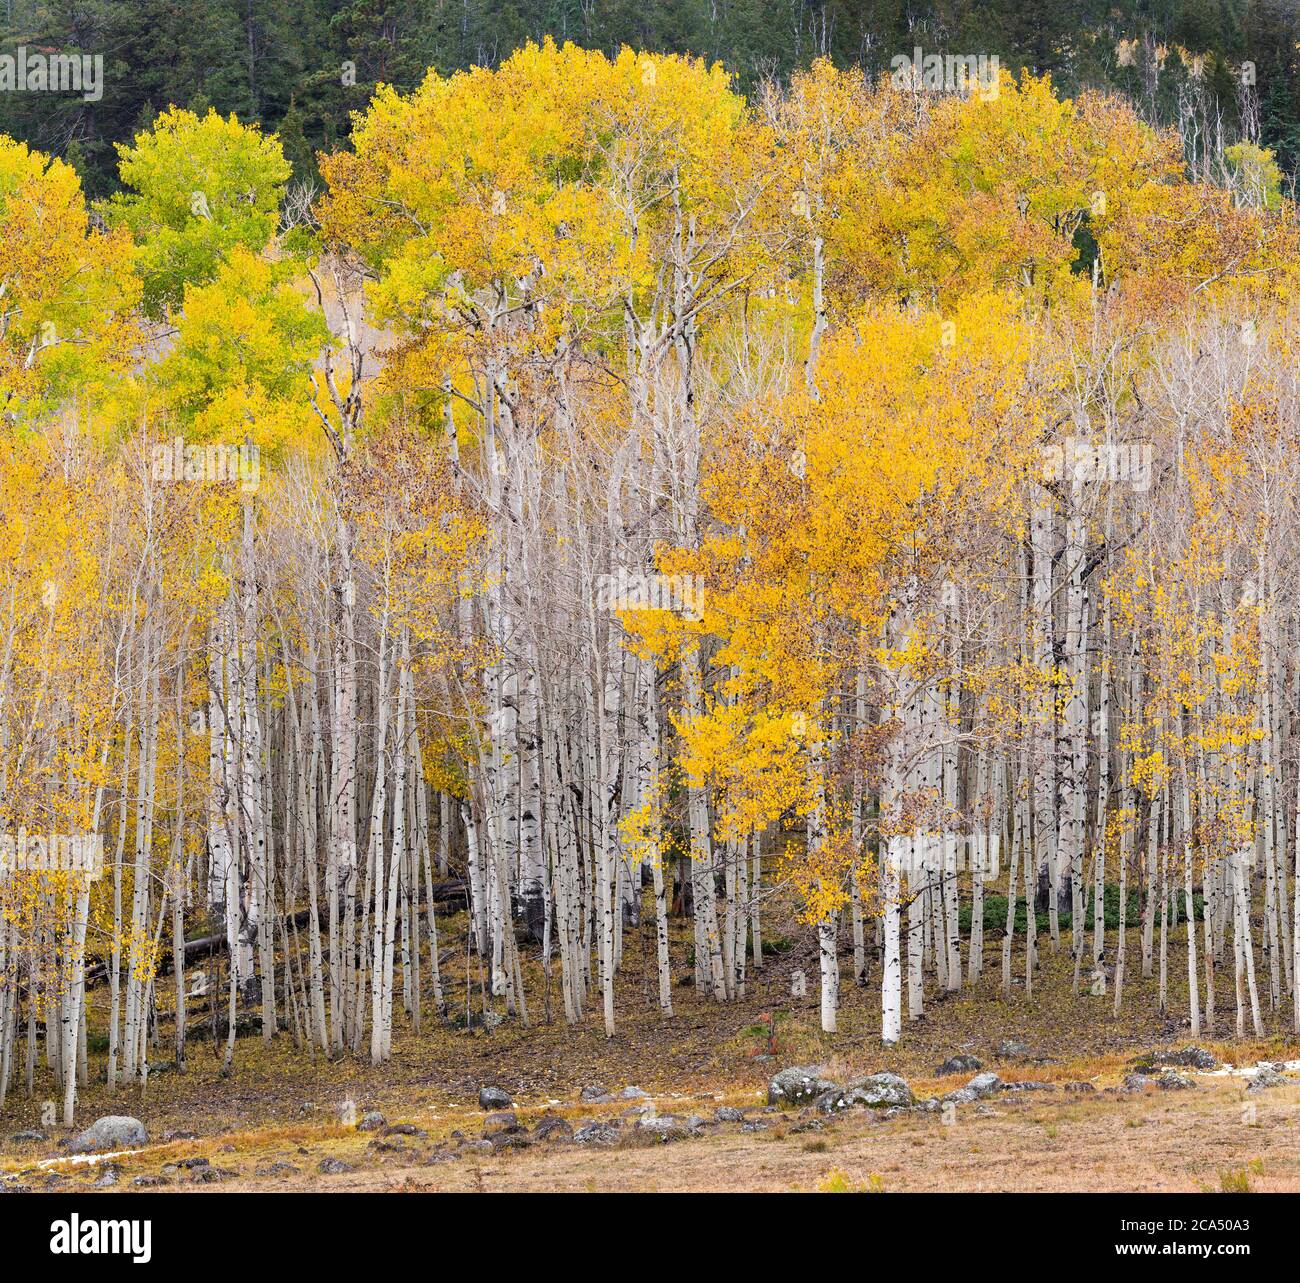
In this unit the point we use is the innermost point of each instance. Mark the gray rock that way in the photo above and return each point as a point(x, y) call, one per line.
point(1083, 1087)
point(491, 1098)
point(984, 1084)
point(1135, 1082)
point(334, 1166)
point(149, 1182)
point(594, 1094)
point(960, 1064)
point(1026, 1084)
point(403, 1129)
point(798, 1085)
point(1266, 1076)
point(502, 1123)
point(108, 1176)
point(595, 1133)
point(509, 1140)
point(441, 1156)
point(879, 1091)
point(115, 1131)
point(278, 1169)
point(1013, 1049)
point(634, 1093)
point(23, 1138)
point(211, 1175)
point(728, 1114)
point(372, 1121)
point(664, 1127)
point(552, 1127)
point(1191, 1057)
point(1171, 1081)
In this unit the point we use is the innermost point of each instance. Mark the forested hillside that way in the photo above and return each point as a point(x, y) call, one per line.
point(301, 66)
point(639, 571)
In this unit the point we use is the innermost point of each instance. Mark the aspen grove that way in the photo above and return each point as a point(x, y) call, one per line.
point(610, 500)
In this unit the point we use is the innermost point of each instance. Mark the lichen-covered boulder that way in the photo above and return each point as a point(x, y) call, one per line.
point(798, 1085)
point(115, 1131)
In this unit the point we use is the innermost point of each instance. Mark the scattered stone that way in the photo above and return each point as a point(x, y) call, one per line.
point(169, 1136)
point(441, 1156)
point(211, 1175)
point(1135, 1082)
point(728, 1114)
point(115, 1131)
point(504, 1122)
point(595, 1133)
point(984, 1084)
point(1169, 1080)
point(403, 1129)
point(493, 1098)
point(109, 1175)
point(1266, 1076)
point(595, 1094)
point(798, 1085)
point(1192, 1057)
point(23, 1138)
point(634, 1093)
point(665, 1127)
point(553, 1127)
point(753, 1125)
point(278, 1169)
point(808, 1125)
point(1013, 1049)
point(1083, 1087)
point(334, 1166)
point(149, 1182)
point(1028, 1084)
point(509, 1140)
point(960, 1064)
point(877, 1091)
point(371, 1121)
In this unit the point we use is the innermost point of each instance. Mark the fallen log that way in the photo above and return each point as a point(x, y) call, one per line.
point(450, 892)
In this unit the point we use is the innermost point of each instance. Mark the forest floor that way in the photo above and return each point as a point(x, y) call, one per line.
point(275, 1118)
